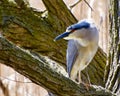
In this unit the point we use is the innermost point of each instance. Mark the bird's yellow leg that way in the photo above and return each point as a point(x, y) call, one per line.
point(80, 81)
point(73, 75)
point(79, 77)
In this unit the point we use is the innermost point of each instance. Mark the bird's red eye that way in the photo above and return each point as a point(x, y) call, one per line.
point(72, 30)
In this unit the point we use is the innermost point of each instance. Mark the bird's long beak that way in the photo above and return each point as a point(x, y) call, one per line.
point(65, 34)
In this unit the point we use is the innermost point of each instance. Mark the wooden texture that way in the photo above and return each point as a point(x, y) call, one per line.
point(35, 31)
point(112, 76)
point(40, 71)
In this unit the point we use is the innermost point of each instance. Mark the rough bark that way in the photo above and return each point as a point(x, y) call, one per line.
point(112, 76)
point(29, 30)
point(41, 71)
point(35, 31)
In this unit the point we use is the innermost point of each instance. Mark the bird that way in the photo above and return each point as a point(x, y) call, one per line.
point(83, 38)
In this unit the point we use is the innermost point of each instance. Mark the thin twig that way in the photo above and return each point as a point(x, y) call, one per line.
point(75, 4)
point(88, 5)
point(79, 2)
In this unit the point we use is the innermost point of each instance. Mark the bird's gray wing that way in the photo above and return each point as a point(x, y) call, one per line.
point(72, 53)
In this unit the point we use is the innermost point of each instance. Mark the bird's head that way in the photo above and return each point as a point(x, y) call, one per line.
point(77, 30)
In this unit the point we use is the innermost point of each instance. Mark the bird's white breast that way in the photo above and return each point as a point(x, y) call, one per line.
point(85, 56)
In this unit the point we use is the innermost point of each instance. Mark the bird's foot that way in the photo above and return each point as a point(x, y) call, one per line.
point(85, 85)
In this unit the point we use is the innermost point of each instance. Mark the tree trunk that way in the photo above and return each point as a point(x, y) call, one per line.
point(44, 72)
point(112, 76)
point(29, 30)
point(35, 31)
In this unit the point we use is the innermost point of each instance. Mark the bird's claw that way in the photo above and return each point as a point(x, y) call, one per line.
point(85, 85)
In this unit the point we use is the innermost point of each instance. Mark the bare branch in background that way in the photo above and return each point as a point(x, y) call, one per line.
point(71, 6)
point(4, 88)
point(79, 2)
point(88, 5)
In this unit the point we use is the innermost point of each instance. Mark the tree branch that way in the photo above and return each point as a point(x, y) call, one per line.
point(43, 72)
point(112, 72)
point(19, 27)
point(4, 88)
point(33, 31)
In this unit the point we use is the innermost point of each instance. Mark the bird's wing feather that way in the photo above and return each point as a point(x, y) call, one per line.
point(72, 53)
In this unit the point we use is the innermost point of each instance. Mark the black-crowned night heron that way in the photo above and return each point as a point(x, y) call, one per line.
point(82, 45)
